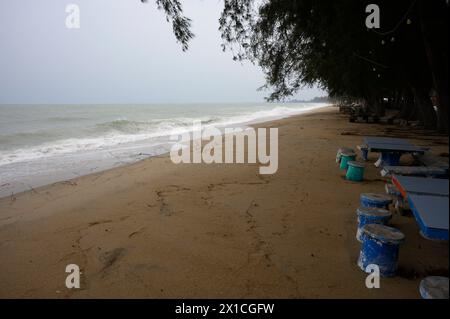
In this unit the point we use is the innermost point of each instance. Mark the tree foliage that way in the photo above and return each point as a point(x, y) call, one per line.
point(181, 25)
point(326, 43)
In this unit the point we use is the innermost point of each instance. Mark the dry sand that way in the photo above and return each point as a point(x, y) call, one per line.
point(159, 230)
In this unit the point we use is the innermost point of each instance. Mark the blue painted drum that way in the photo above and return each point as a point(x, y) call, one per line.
point(371, 215)
point(380, 247)
point(434, 287)
point(375, 200)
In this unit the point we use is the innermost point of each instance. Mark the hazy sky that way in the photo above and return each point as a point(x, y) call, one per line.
point(124, 52)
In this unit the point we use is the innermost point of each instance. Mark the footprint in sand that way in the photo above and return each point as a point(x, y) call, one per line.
point(108, 258)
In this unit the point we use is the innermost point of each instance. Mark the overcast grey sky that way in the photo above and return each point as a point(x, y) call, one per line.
point(124, 52)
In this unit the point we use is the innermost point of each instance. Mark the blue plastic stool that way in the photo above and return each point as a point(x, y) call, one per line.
point(371, 215)
point(375, 200)
point(380, 247)
point(355, 171)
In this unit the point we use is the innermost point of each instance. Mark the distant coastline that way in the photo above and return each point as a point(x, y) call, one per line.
point(317, 99)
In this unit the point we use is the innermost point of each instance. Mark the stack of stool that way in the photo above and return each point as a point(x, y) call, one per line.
point(380, 243)
point(346, 158)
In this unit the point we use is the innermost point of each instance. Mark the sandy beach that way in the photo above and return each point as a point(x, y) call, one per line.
point(159, 230)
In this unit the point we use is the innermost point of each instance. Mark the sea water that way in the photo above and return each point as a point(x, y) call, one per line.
point(42, 144)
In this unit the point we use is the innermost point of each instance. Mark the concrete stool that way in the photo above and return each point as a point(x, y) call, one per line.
point(375, 200)
point(371, 215)
point(380, 247)
point(434, 287)
point(355, 171)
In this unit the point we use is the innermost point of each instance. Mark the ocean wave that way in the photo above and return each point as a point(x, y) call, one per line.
point(118, 132)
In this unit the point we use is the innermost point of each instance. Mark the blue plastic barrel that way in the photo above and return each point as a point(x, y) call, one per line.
point(355, 171)
point(380, 247)
point(375, 200)
point(345, 158)
point(371, 215)
point(434, 287)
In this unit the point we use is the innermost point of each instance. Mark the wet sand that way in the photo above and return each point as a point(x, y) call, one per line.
point(159, 230)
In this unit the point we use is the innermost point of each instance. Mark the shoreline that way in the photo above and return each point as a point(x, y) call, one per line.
point(153, 229)
point(85, 171)
point(98, 161)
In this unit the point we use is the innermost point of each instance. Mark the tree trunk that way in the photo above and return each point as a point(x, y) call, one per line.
point(375, 106)
point(437, 58)
point(407, 107)
point(424, 107)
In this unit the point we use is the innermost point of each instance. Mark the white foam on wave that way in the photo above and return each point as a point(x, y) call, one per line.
point(123, 132)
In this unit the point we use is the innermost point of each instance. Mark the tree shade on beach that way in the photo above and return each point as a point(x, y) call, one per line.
point(402, 65)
